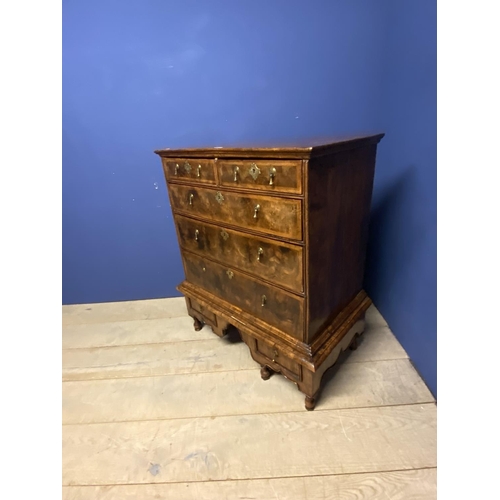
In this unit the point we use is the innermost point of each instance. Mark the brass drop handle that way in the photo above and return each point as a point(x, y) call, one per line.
point(260, 253)
point(236, 172)
point(191, 197)
point(256, 211)
point(275, 355)
point(230, 274)
point(272, 175)
point(176, 172)
point(197, 235)
point(198, 173)
point(264, 300)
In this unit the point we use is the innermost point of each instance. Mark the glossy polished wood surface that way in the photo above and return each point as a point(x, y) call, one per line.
point(273, 242)
point(196, 170)
point(267, 175)
point(278, 262)
point(305, 148)
point(266, 214)
point(281, 309)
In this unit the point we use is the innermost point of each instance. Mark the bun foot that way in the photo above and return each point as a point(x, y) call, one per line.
point(310, 403)
point(265, 373)
point(198, 325)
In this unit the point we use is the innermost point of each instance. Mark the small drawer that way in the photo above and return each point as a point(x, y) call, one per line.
point(268, 214)
point(197, 170)
point(203, 314)
point(292, 369)
point(203, 310)
point(265, 175)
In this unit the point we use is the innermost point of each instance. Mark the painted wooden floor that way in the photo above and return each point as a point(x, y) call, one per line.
point(154, 410)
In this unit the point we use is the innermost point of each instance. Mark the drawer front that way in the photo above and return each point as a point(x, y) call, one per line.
point(269, 175)
point(293, 369)
point(278, 262)
point(271, 215)
point(206, 313)
point(197, 170)
point(272, 305)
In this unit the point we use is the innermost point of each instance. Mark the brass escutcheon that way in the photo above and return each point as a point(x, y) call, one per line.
point(230, 274)
point(187, 167)
point(224, 235)
point(219, 197)
point(254, 171)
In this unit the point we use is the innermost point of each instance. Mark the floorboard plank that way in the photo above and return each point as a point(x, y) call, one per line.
point(123, 311)
point(211, 355)
point(140, 332)
point(380, 383)
point(166, 320)
point(171, 353)
point(251, 446)
point(417, 484)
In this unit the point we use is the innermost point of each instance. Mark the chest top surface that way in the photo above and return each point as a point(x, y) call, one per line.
point(299, 149)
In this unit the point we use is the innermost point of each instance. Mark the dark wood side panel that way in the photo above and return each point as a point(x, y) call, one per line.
point(338, 198)
point(274, 306)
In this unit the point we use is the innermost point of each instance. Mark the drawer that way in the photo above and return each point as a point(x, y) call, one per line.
point(202, 170)
point(268, 214)
point(206, 313)
point(276, 356)
point(272, 305)
point(278, 262)
point(268, 175)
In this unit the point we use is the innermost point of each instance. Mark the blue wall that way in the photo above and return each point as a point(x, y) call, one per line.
point(142, 74)
point(401, 266)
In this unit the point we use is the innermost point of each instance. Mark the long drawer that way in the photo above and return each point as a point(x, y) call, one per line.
point(282, 176)
point(278, 262)
point(274, 306)
point(273, 216)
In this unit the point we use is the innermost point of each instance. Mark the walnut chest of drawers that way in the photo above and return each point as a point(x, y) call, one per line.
point(273, 243)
